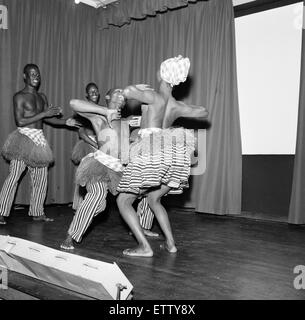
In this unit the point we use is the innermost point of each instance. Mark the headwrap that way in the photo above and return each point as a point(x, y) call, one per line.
point(175, 70)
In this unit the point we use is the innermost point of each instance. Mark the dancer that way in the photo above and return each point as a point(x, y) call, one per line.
point(160, 160)
point(27, 147)
point(87, 142)
point(100, 171)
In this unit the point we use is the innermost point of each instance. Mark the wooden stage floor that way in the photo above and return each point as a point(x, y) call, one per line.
point(219, 257)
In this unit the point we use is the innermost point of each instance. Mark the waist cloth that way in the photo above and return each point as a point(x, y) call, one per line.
point(159, 156)
point(28, 145)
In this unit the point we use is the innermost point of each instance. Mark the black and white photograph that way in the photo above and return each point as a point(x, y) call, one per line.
point(152, 150)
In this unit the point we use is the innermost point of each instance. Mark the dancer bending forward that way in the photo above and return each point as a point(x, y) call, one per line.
point(160, 160)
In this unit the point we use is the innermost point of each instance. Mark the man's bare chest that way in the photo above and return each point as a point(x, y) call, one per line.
point(33, 104)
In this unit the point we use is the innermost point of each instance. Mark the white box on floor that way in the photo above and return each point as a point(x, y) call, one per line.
point(80, 274)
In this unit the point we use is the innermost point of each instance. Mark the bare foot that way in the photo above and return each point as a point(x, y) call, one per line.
point(150, 233)
point(171, 248)
point(138, 252)
point(2, 220)
point(43, 218)
point(67, 244)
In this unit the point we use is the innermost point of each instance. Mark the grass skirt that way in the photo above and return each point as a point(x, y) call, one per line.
point(20, 147)
point(90, 171)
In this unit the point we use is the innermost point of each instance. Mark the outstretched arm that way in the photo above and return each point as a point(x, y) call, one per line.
point(191, 111)
point(69, 122)
point(90, 110)
point(142, 93)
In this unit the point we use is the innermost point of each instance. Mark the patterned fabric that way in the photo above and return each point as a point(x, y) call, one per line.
point(145, 214)
point(39, 179)
point(175, 70)
point(36, 135)
point(161, 157)
point(107, 160)
point(94, 203)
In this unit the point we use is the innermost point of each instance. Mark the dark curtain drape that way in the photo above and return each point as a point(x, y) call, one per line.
point(120, 13)
point(65, 41)
point(297, 200)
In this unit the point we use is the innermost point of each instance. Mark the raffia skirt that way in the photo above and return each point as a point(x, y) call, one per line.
point(20, 147)
point(91, 171)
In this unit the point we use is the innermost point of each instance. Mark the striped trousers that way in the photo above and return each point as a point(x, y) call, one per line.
point(39, 180)
point(93, 203)
point(145, 214)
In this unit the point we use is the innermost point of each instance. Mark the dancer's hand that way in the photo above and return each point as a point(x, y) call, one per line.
point(113, 115)
point(52, 111)
point(71, 122)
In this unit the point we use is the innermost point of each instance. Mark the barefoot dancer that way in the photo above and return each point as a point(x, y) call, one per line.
point(27, 147)
point(160, 160)
point(98, 171)
point(87, 142)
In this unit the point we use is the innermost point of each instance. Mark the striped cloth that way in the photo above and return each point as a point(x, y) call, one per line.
point(160, 156)
point(36, 135)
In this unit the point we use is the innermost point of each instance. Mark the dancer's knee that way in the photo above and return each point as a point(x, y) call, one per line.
point(153, 201)
point(124, 200)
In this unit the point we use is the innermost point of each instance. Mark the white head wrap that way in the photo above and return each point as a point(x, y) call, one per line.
point(175, 70)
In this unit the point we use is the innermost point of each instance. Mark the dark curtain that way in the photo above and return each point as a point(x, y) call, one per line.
point(65, 41)
point(120, 13)
point(297, 200)
point(58, 36)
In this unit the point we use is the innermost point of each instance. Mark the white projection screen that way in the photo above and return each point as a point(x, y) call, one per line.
point(268, 46)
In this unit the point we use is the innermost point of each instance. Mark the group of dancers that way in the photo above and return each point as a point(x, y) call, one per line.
point(144, 164)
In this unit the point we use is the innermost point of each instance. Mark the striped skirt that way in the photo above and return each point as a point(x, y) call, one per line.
point(161, 157)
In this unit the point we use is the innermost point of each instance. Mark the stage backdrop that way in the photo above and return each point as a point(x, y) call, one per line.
point(65, 41)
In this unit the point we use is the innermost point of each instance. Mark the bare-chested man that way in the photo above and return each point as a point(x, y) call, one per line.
point(100, 171)
point(27, 147)
point(87, 141)
point(160, 161)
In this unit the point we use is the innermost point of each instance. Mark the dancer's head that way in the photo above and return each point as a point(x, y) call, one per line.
point(115, 98)
point(174, 70)
point(31, 75)
point(92, 92)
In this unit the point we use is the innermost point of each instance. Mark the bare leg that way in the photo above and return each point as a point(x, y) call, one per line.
point(125, 201)
point(154, 200)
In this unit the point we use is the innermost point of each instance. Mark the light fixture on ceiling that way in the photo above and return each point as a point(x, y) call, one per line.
point(96, 3)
